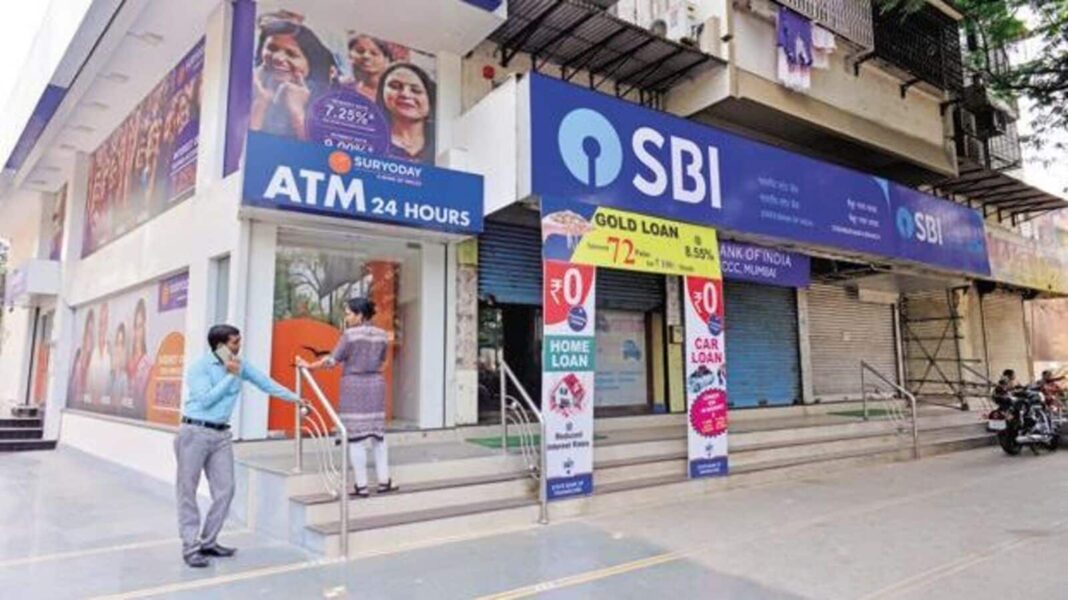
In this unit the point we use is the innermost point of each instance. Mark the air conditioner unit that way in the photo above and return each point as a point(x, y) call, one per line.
point(966, 122)
point(677, 20)
point(975, 149)
point(992, 115)
point(991, 123)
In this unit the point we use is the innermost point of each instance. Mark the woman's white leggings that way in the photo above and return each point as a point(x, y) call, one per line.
point(358, 455)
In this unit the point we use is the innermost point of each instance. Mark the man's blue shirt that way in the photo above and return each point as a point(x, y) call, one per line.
point(212, 390)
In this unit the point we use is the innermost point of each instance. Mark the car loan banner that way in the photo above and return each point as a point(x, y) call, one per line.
point(706, 377)
point(567, 378)
point(591, 236)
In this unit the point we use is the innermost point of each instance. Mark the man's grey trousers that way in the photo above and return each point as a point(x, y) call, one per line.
point(201, 449)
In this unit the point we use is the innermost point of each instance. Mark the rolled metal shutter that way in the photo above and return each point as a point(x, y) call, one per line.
point(628, 290)
point(1005, 337)
point(509, 263)
point(842, 332)
point(763, 366)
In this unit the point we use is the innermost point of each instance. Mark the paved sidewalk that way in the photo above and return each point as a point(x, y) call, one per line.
point(971, 525)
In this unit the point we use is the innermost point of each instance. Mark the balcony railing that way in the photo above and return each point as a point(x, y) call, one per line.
point(851, 19)
point(925, 44)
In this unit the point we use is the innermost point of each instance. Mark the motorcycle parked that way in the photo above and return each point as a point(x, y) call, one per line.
point(1023, 417)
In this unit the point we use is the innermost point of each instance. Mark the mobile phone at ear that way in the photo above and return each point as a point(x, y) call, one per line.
point(222, 351)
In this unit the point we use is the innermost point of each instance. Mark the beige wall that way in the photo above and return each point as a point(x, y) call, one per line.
point(20, 224)
point(868, 108)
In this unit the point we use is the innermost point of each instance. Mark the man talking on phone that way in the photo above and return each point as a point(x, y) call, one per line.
point(204, 442)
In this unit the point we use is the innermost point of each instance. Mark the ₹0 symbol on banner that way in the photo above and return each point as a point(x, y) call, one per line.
point(568, 298)
point(706, 380)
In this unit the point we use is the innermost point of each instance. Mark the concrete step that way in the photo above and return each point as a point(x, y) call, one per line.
point(26, 445)
point(624, 462)
point(391, 531)
point(322, 508)
point(367, 534)
point(21, 433)
point(662, 478)
point(28, 422)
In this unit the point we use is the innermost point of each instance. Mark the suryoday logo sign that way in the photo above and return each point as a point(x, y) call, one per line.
point(295, 176)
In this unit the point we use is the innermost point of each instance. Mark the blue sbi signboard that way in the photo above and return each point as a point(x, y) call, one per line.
point(605, 151)
point(289, 175)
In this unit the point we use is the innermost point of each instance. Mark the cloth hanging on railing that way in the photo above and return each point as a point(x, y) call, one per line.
point(823, 46)
point(794, 50)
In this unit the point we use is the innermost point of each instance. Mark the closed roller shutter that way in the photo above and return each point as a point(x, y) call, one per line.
point(510, 268)
point(1006, 340)
point(509, 263)
point(627, 290)
point(763, 368)
point(842, 332)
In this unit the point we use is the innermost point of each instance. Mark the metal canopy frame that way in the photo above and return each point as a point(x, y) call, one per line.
point(997, 193)
point(579, 35)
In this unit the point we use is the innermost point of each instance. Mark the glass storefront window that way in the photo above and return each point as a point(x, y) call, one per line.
point(314, 278)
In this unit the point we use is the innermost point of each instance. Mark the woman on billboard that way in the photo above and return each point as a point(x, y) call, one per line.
point(77, 391)
point(118, 384)
point(361, 352)
point(100, 364)
point(406, 92)
point(292, 67)
point(139, 365)
point(369, 58)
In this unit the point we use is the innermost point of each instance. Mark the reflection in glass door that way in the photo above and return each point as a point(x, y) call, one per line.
point(314, 278)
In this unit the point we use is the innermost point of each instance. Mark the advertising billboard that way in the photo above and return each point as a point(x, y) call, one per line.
point(130, 351)
point(149, 163)
point(600, 150)
point(317, 77)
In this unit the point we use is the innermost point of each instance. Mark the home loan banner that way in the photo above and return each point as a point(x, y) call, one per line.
point(567, 378)
point(706, 378)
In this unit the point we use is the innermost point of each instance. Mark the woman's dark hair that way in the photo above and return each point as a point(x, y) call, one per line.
point(220, 334)
point(431, 93)
point(321, 63)
point(384, 47)
point(363, 307)
point(1008, 373)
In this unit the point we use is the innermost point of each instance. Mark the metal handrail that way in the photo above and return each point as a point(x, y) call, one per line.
point(865, 367)
point(532, 408)
point(341, 478)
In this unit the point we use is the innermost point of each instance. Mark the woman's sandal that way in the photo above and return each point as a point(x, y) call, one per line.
point(387, 487)
point(360, 492)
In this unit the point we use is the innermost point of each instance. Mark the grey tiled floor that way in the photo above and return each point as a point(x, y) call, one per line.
point(75, 527)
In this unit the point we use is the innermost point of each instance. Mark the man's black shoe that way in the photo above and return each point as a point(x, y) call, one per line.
point(219, 551)
point(197, 560)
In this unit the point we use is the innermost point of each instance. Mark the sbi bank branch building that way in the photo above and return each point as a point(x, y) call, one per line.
point(625, 288)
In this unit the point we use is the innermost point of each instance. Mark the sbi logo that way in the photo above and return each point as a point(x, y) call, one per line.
point(671, 166)
point(919, 226)
point(590, 147)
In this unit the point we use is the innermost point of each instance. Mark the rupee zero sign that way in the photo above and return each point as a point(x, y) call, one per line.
point(567, 378)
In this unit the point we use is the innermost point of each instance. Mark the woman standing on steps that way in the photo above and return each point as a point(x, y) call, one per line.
point(361, 352)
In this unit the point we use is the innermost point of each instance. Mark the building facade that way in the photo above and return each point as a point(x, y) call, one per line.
point(194, 164)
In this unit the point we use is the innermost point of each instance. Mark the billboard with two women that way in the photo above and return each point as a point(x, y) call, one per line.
point(130, 353)
point(321, 79)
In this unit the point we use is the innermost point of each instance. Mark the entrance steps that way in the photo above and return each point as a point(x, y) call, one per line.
point(23, 431)
point(454, 488)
